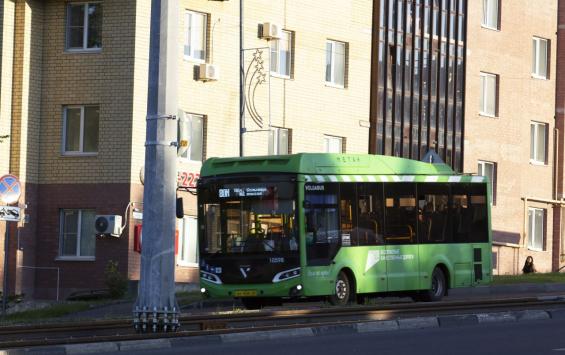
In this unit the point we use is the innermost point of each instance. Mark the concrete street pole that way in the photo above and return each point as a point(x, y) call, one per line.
point(156, 305)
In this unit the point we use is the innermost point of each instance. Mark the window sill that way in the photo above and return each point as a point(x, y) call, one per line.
point(535, 249)
point(539, 77)
point(78, 154)
point(194, 60)
point(486, 27)
point(187, 264)
point(186, 160)
point(483, 114)
point(280, 76)
point(75, 258)
point(537, 163)
point(83, 51)
point(335, 86)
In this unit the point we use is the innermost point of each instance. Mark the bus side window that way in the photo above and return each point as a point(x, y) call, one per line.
point(348, 214)
point(400, 213)
point(469, 213)
point(433, 213)
point(370, 219)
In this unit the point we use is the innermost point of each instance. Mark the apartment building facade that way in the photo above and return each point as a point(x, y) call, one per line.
point(469, 79)
point(74, 75)
point(510, 127)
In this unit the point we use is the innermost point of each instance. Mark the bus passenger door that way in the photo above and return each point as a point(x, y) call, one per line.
point(368, 236)
point(401, 253)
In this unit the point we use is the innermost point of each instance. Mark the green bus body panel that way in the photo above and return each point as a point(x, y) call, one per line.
point(319, 163)
point(382, 268)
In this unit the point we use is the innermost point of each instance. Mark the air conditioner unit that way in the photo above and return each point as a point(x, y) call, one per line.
point(108, 225)
point(270, 31)
point(208, 72)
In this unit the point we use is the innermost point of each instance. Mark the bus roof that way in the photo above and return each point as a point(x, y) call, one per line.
point(323, 163)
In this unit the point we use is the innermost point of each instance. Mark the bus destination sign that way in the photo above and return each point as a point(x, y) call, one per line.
point(252, 191)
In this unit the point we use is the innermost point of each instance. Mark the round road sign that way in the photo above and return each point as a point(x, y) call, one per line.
point(10, 189)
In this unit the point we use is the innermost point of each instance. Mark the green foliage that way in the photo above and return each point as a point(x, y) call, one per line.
point(552, 277)
point(3, 137)
point(116, 282)
point(46, 313)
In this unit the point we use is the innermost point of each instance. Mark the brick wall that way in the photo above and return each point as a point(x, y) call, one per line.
point(77, 275)
point(102, 78)
point(522, 99)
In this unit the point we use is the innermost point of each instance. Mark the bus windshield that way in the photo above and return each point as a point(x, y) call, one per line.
point(249, 218)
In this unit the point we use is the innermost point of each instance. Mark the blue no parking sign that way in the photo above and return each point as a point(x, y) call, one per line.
point(10, 189)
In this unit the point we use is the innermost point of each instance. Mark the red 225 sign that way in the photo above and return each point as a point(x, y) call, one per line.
point(186, 179)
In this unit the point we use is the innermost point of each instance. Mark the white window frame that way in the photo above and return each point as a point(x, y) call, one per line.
point(482, 164)
point(275, 143)
point(484, 94)
point(189, 116)
point(327, 143)
point(484, 21)
point(532, 228)
point(536, 58)
point(533, 142)
point(190, 56)
point(85, 30)
point(275, 49)
point(183, 233)
point(332, 81)
point(76, 257)
point(80, 152)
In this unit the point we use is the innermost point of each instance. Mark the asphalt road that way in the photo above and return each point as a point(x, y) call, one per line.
point(527, 338)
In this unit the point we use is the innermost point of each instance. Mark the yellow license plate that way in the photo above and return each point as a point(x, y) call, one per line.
point(245, 293)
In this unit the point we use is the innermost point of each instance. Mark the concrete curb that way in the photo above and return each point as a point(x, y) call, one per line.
point(447, 321)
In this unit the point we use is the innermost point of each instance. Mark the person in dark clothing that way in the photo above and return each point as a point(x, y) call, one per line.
point(529, 266)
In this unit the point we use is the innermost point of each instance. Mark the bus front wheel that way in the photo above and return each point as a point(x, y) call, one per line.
point(343, 293)
point(438, 287)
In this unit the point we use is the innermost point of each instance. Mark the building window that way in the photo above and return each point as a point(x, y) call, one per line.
point(488, 169)
point(84, 26)
point(491, 14)
point(335, 63)
point(196, 24)
point(333, 144)
point(489, 85)
point(192, 127)
point(77, 234)
point(80, 130)
point(281, 55)
point(188, 236)
point(278, 141)
point(538, 142)
point(540, 48)
point(536, 219)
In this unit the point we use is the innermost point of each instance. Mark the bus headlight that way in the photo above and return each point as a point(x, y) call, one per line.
point(286, 275)
point(206, 276)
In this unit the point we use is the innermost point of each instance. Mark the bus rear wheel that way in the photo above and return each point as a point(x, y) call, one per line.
point(438, 287)
point(343, 293)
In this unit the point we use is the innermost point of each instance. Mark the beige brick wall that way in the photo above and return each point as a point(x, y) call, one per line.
point(304, 103)
point(26, 106)
point(7, 16)
point(105, 78)
point(522, 99)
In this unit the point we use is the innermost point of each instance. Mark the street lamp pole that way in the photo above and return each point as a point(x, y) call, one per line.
point(241, 81)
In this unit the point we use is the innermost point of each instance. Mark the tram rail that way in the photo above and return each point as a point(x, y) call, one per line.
point(19, 336)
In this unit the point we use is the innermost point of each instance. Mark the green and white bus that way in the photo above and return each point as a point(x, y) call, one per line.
point(338, 226)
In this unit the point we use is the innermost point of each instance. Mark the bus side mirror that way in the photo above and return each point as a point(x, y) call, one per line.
point(180, 208)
